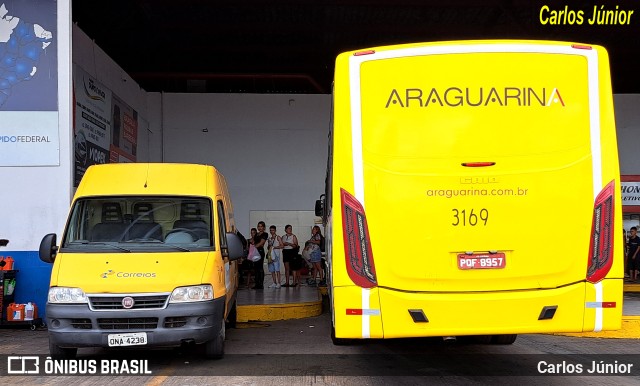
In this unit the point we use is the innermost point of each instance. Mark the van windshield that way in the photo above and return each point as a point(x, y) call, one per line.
point(139, 224)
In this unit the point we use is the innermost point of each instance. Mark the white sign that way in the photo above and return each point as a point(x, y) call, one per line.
point(29, 138)
point(630, 193)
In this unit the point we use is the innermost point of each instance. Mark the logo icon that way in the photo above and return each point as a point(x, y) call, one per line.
point(555, 98)
point(105, 275)
point(23, 365)
point(128, 302)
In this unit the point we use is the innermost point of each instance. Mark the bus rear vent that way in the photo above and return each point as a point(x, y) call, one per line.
point(418, 316)
point(547, 312)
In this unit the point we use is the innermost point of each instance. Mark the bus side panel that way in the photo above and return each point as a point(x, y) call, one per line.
point(342, 173)
point(481, 313)
point(352, 320)
point(599, 316)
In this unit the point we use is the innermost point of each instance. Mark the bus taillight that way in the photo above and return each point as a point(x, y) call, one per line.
point(357, 244)
point(601, 245)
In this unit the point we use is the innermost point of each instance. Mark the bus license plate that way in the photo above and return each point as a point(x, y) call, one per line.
point(481, 261)
point(131, 339)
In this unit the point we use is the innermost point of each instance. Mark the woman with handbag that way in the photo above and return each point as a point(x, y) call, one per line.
point(289, 252)
point(259, 240)
point(315, 256)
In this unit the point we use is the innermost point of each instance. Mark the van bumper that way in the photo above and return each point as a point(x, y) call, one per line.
point(75, 325)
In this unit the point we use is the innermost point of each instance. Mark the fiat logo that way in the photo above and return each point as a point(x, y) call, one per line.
point(128, 302)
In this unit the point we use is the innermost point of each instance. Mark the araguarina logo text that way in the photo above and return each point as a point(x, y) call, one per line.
point(474, 97)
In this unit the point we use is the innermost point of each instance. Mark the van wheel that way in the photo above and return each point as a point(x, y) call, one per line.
point(339, 341)
point(58, 352)
point(232, 318)
point(504, 339)
point(214, 349)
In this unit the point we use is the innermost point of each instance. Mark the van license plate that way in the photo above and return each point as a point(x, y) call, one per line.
point(132, 339)
point(482, 261)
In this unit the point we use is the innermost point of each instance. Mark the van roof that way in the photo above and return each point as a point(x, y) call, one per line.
point(149, 179)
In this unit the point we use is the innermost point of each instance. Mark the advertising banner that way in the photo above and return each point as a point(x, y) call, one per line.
point(124, 131)
point(92, 122)
point(28, 84)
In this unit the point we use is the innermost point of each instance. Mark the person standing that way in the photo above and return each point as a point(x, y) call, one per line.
point(633, 255)
point(259, 240)
point(247, 265)
point(289, 252)
point(316, 255)
point(275, 247)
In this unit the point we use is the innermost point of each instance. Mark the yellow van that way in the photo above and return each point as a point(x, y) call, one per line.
point(473, 189)
point(148, 258)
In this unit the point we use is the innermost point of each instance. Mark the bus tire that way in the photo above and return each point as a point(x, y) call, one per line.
point(504, 339)
point(482, 339)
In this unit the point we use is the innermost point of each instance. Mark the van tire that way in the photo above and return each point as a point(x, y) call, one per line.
point(214, 349)
point(58, 352)
point(504, 339)
point(232, 318)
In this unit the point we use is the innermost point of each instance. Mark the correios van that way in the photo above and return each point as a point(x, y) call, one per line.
point(473, 189)
point(147, 258)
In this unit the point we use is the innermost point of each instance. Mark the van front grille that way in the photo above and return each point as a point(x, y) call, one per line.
point(173, 322)
point(141, 302)
point(128, 323)
point(81, 324)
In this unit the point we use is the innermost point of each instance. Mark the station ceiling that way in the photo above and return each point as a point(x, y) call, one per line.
point(278, 46)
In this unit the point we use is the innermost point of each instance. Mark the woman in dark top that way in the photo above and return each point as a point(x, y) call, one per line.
point(259, 241)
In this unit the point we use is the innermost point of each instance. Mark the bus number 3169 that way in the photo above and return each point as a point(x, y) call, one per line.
point(466, 217)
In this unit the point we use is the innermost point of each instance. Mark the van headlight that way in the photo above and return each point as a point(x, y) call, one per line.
point(195, 293)
point(67, 295)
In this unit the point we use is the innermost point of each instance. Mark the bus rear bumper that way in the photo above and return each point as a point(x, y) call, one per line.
point(388, 313)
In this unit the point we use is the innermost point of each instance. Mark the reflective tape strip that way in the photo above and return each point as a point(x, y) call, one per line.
point(599, 315)
point(601, 305)
point(366, 323)
point(360, 311)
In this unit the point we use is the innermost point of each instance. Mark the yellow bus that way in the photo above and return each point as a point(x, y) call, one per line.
point(473, 189)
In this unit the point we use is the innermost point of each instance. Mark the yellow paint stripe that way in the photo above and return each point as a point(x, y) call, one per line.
point(631, 287)
point(630, 330)
point(271, 312)
point(157, 381)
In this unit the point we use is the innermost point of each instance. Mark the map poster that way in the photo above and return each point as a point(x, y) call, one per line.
point(28, 84)
point(92, 122)
point(124, 131)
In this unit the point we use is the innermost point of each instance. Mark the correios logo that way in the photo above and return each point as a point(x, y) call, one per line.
point(127, 275)
point(474, 97)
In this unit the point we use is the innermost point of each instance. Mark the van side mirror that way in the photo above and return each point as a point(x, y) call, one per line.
point(320, 206)
point(234, 249)
point(48, 248)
